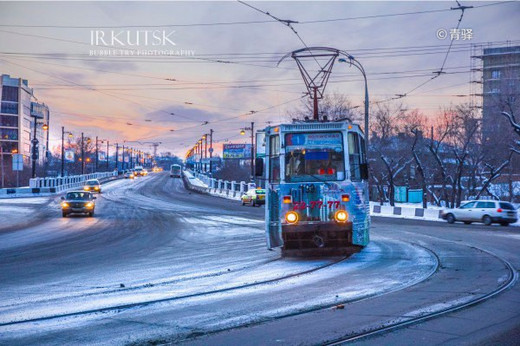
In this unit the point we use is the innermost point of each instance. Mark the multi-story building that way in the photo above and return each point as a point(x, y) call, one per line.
point(19, 114)
point(500, 92)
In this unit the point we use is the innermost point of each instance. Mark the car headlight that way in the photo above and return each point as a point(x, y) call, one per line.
point(86, 188)
point(89, 205)
point(64, 205)
point(96, 188)
point(341, 216)
point(292, 217)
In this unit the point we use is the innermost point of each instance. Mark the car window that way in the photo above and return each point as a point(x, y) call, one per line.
point(506, 206)
point(490, 205)
point(468, 205)
point(486, 205)
point(481, 204)
point(78, 196)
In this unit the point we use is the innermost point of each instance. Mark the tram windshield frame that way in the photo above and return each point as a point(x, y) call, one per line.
point(314, 157)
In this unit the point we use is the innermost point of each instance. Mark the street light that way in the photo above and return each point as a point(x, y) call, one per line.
point(63, 149)
point(35, 153)
point(243, 132)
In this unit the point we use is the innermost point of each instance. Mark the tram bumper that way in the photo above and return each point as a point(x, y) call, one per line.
point(318, 239)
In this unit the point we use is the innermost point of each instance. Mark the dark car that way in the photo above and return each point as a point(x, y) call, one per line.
point(78, 202)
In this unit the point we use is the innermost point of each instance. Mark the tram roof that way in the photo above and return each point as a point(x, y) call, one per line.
point(313, 126)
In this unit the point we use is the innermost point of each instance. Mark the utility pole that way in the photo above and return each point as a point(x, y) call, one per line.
point(123, 158)
point(62, 151)
point(205, 151)
point(131, 157)
point(315, 102)
point(108, 148)
point(117, 157)
point(82, 154)
point(34, 148)
point(97, 153)
point(252, 150)
point(47, 152)
point(210, 151)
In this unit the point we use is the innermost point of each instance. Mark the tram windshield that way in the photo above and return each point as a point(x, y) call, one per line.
point(314, 157)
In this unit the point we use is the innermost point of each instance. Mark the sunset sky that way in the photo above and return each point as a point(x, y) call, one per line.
point(228, 62)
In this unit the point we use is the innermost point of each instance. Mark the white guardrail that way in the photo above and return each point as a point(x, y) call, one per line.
point(217, 187)
point(234, 190)
point(49, 186)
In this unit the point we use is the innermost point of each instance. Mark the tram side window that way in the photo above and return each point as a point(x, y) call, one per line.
point(354, 156)
point(274, 159)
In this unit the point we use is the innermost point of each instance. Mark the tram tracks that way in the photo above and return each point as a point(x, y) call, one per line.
point(122, 307)
point(453, 306)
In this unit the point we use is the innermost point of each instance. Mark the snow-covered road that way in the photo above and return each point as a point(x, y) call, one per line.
point(159, 263)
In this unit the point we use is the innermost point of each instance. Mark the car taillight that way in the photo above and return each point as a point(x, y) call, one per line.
point(499, 210)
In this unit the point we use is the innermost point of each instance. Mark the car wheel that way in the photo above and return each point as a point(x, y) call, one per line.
point(64, 214)
point(253, 203)
point(467, 222)
point(243, 203)
point(450, 218)
point(504, 224)
point(487, 220)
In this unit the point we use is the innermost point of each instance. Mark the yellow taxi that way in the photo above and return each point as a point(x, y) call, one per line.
point(92, 185)
point(255, 197)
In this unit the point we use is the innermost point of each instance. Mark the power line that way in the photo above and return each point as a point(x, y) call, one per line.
point(317, 21)
point(441, 70)
point(287, 22)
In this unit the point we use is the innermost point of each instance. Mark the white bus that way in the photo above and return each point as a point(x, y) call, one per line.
point(175, 171)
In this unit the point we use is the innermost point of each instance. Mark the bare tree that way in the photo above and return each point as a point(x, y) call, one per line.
point(334, 106)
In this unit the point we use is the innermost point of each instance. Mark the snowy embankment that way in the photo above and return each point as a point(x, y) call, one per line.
point(19, 212)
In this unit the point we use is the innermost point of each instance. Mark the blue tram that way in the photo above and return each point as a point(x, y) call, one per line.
point(317, 188)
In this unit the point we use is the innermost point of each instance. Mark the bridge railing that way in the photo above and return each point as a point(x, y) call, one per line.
point(223, 188)
point(49, 186)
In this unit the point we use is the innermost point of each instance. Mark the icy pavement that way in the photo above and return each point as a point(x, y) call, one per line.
point(259, 293)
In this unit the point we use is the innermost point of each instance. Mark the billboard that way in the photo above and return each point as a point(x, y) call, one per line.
point(69, 155)
point(236, 151)
point(39, 110)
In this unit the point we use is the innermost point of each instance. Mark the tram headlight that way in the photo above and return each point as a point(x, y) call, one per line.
point(341, 216)
point(291, 217)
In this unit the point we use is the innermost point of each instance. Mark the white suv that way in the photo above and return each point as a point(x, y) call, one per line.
point(485, 211)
